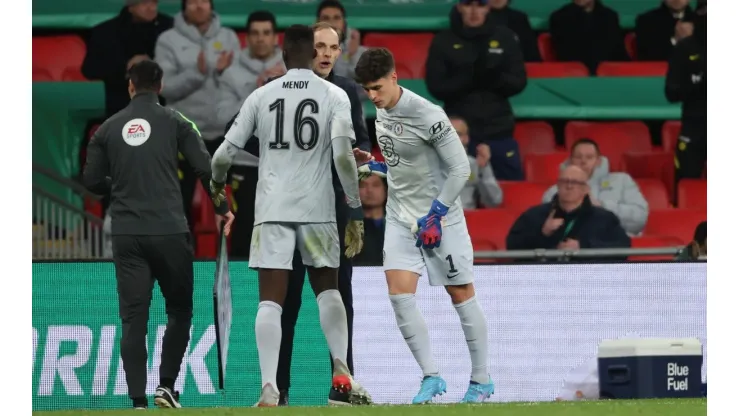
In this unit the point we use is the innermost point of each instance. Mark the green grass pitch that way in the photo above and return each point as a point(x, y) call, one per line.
point(686, 407)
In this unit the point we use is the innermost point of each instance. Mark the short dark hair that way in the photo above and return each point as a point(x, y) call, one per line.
point(374, 64)
point(146, 76)
point(261, 16)
point(330, 4)
point(298, 46)
point(585, 141)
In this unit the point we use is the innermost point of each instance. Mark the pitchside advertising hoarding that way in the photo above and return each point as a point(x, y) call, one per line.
point(544, 321)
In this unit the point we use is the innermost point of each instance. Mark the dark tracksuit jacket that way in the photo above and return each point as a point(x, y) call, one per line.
point(518, 22)
point(475, 71)
point(655, 29)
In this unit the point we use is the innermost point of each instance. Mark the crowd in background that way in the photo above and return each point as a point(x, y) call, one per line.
point(473, 68)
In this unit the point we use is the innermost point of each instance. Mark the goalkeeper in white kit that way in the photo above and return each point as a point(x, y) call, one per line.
point(300, 120)
point(426, 167)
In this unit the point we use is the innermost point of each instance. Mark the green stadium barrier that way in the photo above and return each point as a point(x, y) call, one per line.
point(362, 14)
point(61, 111)
point(76, 333)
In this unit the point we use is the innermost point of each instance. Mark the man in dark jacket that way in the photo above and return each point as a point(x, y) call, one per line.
point(569, 222)
point(502, 14)
point(118, 43)
point(589, 32)
point(686, 82)
point(658, 30)
point(474, 68)
point(133, 156)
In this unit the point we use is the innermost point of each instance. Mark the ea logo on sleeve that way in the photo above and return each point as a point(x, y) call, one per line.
point(136, 132)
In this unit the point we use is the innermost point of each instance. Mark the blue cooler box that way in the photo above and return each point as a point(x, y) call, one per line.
point(650, 368)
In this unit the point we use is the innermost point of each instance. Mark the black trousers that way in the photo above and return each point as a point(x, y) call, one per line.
point(292, 304)
point(691, 149)
point(139, 261)
point(244, 191)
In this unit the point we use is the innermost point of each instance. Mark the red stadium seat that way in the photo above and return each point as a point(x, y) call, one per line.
point(490, 225)
point(678, 223)
point(692, 194)
point(58, 53)
point(409, 49)
point(534, 137)
point(657, 165)
point(632, 69)
point(483, 245)
point(655, 193)
point(630, 44)
point(655, 242)
point(614, 139)
point(547, 52)
point(242, 39)
point(544, 168)
point(519, 196)
point(556, 69)
point(73, 75)
point(41, 75)
point(669, 135)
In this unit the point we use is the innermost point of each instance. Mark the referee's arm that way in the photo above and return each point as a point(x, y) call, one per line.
point(190, 144)
point(96, 175)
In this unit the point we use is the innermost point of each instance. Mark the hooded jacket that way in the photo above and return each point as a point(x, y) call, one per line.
point(240, 79)
point(474, 71)
point(186, 89)
point(616, 192)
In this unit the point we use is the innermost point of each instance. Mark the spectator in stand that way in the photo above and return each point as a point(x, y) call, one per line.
point(518, 22)
point(481, 190)
point(333, 12)
point(260, 61)
point(116, 44)
point(373, 192)
point(589, 32)
point(569, 221)
point(614, 191)
point(659, 29)
point(686, 82)
point(193, 55)
point(474, 68)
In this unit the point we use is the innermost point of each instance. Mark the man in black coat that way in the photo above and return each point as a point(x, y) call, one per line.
point(474, 68)
point(658, 30)
point(116, 44)
point(587, 31)
point(569, 222)
point(502, 14)
point(686, 83)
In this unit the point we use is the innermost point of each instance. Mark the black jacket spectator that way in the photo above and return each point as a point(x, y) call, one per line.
point(112, 44)
point(655, 31)
point(588, 37)
point(474, 71)
point(686, 81)
point(372, 249)
point(593, 227)
point(518, 22)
